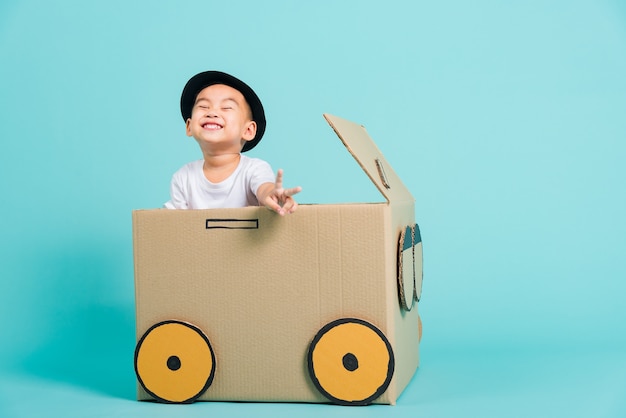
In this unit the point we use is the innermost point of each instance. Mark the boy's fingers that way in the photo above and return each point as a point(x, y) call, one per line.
point(290, 206)
point(292, 191)
point(279, 178)
point(273, 205)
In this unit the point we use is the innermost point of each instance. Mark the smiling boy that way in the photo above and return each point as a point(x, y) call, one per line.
point(226, 117)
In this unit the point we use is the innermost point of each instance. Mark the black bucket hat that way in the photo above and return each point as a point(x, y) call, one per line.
point(205, 79)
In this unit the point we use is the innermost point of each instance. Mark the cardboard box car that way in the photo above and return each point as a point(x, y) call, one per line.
point(244, 305)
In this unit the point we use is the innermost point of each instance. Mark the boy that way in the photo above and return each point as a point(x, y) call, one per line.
point(226, 118)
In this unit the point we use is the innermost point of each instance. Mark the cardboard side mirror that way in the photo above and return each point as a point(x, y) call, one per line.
point(406, 269)
point(418, 260)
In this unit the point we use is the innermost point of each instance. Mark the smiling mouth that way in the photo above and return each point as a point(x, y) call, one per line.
point(211, 126)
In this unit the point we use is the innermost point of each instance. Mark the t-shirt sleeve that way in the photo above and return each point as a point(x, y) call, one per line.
point(177, 194)
point(261, 173)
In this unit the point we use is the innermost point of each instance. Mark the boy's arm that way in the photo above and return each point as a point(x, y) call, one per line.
point(275, 197)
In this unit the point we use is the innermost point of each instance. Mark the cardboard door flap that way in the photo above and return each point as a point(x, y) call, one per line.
point(366, 153)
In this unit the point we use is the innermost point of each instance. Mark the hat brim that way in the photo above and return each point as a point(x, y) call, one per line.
point(208, 78)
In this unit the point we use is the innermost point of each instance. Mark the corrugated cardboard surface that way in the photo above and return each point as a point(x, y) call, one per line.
point(368, 156)
point(261, 286)
point(261, 294)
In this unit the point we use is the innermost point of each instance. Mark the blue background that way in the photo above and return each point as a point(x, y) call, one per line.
point(506, 120)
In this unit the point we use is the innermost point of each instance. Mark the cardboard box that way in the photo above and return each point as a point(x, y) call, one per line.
point(244, 305)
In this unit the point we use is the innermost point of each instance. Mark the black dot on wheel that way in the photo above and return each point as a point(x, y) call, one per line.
point(350, 362)
point(173, 363)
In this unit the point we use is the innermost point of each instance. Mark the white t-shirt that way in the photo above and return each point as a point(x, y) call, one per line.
point(190, 189)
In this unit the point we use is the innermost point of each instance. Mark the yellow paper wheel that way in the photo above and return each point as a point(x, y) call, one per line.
point(350, 362)
point(174, 362)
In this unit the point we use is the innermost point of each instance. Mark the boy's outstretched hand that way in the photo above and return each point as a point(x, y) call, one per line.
point(277, 198)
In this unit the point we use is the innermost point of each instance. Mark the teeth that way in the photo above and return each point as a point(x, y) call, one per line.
point(211, 126)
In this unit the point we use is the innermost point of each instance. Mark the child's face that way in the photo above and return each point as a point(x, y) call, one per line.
point(221, 120)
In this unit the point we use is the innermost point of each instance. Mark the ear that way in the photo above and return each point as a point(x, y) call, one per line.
point(187, 126)
point(250, 131)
